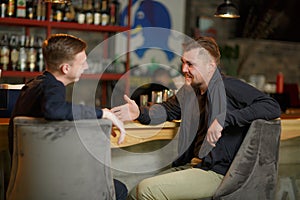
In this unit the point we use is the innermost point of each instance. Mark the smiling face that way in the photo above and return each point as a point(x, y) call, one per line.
point(198, 67)
point(199, 61)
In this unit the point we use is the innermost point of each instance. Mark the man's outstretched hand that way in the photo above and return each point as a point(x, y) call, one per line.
point(127, 112)
point(107, 114)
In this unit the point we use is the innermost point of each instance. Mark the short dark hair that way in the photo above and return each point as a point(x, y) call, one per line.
point(59, 48)
point(208, 43)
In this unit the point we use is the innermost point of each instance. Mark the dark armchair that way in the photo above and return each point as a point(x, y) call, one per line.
point(253, 173)
point(55, 160)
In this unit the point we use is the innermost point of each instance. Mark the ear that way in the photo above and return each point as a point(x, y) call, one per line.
point(64, 68)
point(211, 67)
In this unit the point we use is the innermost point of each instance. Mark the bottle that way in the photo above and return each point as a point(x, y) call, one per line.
point(58, 12)
point(14, 52)
point(44, 8)
point(279, 83)
point(104, 13)
point(4, 53)
point(31, 54)
point(3, 9)
point(22, 54)
point(97, 12)
point(29, 9)
point(114, 12)
point(40, 57)
point(69, 13)
point(21, 8)
point(10, 11)
point(39, 10)
point(80, 14)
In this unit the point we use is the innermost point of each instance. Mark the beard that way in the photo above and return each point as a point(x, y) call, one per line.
point(189, 79)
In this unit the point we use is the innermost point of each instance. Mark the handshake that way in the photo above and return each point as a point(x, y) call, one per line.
point(127, 112)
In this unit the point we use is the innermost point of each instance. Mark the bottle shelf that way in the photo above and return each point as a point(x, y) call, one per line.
point(61, 25)
point(89, 27)
point(28, 74)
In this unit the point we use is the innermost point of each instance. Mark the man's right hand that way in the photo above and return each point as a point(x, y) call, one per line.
point(107, 114)
point(127, 112)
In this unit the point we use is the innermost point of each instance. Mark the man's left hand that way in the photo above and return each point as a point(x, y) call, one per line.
point(214, 133)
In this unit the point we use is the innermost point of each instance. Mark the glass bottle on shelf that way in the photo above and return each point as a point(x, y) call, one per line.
point(80, 15)
point(22, 54)
point(69, 13)
point(40, 58)
point(4, 53)
point(40, 10)
point(97, 13)
point(31, 54)
point(89, 12)
point(10, 8)
point(29, 9)
point(3, 8)
point(57, 12)
point(104, 13)
point(114, 12)
point(21, 8)
point(14, 52)
point(44, 10)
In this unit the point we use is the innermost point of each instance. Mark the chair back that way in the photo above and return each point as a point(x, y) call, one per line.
point(61, 160)
point(254, 170)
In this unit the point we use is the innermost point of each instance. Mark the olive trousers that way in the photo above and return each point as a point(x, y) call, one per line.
point(176, 183)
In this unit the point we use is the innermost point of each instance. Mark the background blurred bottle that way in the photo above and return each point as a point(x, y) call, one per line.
point(114, 12)
point(40, 10)
point(69, 13)
point(40, 58)
point(3, 8)
point(104, 13)
point(10, 8)
point(14, 51)
point(21, 8)
point(279, 83)
point(4, 52)
point(31, 54)
point(29, 9)
point(97, 12)
point(22, 54)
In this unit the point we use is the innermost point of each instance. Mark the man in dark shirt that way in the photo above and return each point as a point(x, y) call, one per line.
point(215, 112)
point(45, 96)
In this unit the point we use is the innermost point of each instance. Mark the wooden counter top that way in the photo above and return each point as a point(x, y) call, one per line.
point(137, 133)
point(290, 128)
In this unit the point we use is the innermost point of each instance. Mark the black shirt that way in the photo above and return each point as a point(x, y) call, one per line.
point(45, 97)
point(244, 104)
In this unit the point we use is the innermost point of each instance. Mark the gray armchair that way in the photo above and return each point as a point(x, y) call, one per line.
point(58, 160)
point(253, 173)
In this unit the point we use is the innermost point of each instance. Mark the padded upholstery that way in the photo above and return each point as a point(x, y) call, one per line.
point(61, 160)
point(253, 173)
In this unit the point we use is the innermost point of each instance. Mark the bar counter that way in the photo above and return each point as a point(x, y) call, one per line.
point(137, 133)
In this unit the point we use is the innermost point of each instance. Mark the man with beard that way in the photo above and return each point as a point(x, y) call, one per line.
point(215, 112)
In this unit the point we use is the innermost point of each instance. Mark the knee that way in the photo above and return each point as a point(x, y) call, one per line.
point(147, 190)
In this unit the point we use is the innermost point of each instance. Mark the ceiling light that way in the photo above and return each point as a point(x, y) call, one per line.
point(58, 1)
point(227, 10)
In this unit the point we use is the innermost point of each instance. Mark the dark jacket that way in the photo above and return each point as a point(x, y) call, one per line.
point(235, 110)
point(45, 97)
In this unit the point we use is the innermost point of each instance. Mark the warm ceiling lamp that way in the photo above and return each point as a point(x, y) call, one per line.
point(227, 10)
point(58, 1)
